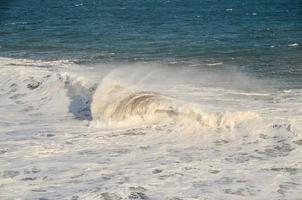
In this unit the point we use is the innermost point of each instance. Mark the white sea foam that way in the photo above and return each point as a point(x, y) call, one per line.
point(214, 64)
point(293, 45)
point(166, 133)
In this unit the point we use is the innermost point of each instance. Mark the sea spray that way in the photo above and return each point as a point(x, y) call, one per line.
point(116, 103)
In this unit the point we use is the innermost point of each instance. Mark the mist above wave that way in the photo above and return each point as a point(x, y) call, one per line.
point(115, 103)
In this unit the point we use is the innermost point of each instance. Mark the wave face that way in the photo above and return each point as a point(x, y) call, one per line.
point(118, 103)
point(113, 102)
point(38, 89)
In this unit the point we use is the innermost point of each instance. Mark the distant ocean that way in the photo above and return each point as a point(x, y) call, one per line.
point(161, 99)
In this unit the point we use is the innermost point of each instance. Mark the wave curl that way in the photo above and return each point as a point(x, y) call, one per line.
point(116, 103)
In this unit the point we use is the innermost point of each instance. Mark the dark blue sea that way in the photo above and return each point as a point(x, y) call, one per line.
point(263, 35)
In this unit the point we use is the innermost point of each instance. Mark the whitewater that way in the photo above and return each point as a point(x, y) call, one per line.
point(149, 130)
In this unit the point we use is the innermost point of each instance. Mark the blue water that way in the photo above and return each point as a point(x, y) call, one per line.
point(263, 37)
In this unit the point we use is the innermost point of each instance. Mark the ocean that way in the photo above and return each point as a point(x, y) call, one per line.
point(161, 99)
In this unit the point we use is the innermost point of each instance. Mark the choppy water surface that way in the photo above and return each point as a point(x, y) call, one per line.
point(150, 100)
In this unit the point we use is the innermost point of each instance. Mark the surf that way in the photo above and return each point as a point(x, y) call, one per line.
point(114, 103)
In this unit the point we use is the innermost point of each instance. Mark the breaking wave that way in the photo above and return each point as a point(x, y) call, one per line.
point(114, 103)
point(38, 89)
point(55, 91)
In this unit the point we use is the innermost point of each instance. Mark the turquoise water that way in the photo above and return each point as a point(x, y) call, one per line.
point(262, 37)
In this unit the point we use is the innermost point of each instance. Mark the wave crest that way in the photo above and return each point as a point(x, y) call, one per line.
point(114, 103)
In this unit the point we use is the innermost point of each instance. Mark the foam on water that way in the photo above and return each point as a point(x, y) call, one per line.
point(135, 132)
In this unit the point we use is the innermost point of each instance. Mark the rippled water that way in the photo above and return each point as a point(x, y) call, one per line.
point(152, 30)
point(262, 37)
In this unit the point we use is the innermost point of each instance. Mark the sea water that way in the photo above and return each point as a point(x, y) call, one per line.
point(162, 99)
